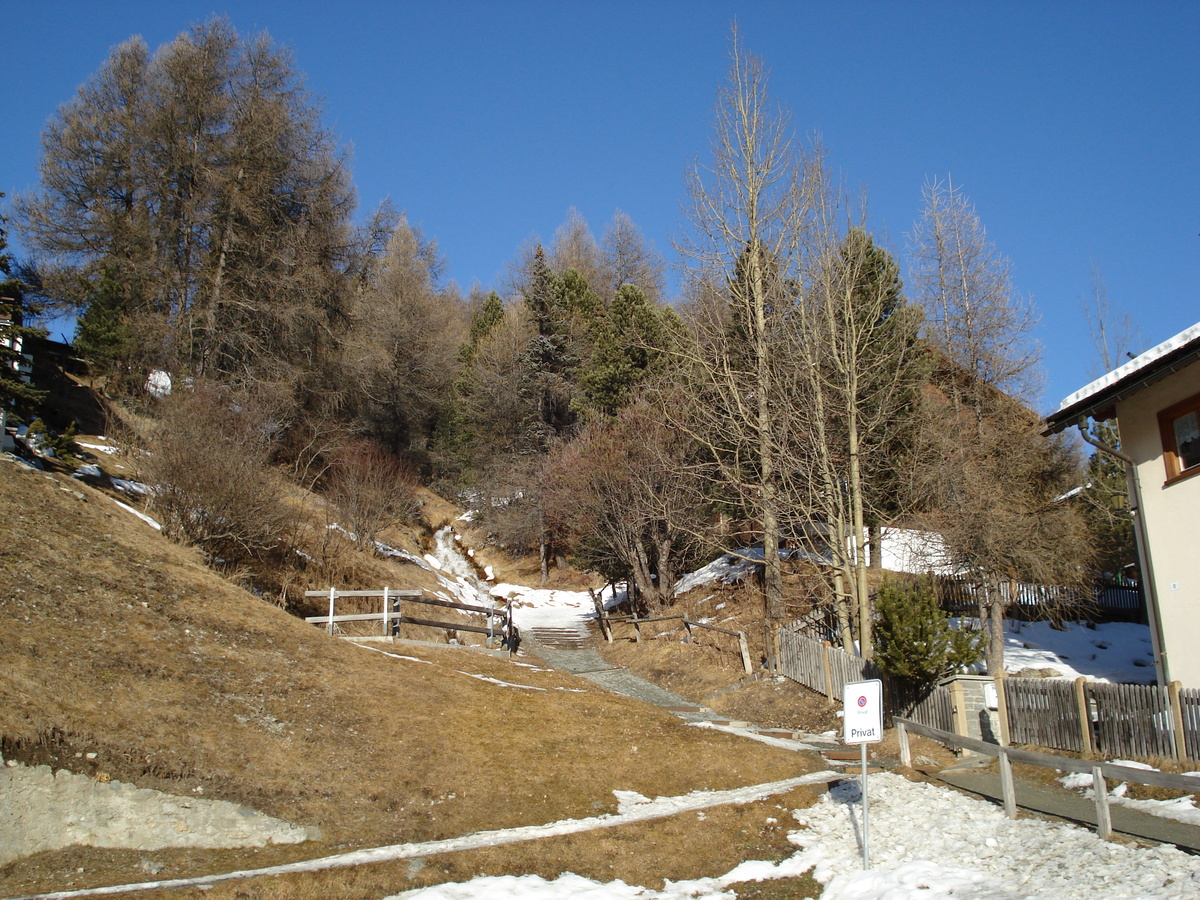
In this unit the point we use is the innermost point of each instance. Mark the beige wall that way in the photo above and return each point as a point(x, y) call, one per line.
point(1172, 521)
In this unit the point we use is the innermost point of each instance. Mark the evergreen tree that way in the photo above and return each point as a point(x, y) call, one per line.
point(102, 333)
point(549, 357)
point(915, 641)
point(630, 346)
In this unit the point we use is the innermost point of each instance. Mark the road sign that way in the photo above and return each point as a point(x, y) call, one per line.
point(862, 712)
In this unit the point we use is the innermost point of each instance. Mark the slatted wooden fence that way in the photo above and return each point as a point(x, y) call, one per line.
point(827, 670)
point(1043, 712)
point(1135, 720)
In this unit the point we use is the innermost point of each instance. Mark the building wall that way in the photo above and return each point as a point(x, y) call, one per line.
point(1172, 521)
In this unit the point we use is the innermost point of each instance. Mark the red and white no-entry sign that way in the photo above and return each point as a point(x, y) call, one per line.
point(862, 712)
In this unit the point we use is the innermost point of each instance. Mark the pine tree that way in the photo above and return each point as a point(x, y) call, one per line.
point(915, 641)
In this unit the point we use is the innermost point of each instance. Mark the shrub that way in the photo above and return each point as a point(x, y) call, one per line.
point(915, 642)
point(371, 489)
point(208, 466)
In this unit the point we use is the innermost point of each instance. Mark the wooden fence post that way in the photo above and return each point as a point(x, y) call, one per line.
point(826, 648)
point(745, 648)
point(1177, 720)
point(385, 610)
point(905, 750)
point(605, 628)
point(1002, 709)
point(332, 600)
point(637, 631)
point(1007, 788)
point(958, 698)
point(1085, 714)
point(1103, 818)
point(687, 631)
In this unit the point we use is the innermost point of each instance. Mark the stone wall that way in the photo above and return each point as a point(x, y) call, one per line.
point(45, 810)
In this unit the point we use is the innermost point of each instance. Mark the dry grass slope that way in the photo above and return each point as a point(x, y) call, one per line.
point(119, 643)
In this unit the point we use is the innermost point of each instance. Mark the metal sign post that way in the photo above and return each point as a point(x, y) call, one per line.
point(862, 720)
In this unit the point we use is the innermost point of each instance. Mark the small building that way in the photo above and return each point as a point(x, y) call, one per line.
point(1155, 399)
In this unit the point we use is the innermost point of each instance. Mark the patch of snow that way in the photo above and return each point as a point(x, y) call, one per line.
point(1111, 652)
point(727, 569)
point(141, 515)
point(99, 448)
point(88, 471)
point(132, 487)
point(158, 385)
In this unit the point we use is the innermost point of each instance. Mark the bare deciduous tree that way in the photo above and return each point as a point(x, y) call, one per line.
point(994, 483)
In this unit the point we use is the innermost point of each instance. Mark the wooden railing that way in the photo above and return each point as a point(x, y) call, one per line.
point(391, 616)
point(605, 620)
point(1100, 771)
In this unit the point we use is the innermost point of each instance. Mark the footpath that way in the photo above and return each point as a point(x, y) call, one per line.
point(974, 775)
point(569, 651)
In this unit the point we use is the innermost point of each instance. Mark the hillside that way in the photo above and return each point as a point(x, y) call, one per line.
point(123, 657)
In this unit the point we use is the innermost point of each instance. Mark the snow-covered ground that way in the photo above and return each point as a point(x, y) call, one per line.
point(926, 843)
point(1119, 652)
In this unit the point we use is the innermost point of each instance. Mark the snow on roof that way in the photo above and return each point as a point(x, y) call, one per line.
point(1144, 364)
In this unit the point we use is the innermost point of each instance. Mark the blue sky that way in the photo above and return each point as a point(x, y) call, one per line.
point(1073, 127)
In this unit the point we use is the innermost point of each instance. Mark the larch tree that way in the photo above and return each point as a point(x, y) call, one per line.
point(403, 341)
point(200, 182)
point(993, 485)
point(748, 210)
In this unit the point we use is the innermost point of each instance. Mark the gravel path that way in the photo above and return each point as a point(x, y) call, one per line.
point(576, 654)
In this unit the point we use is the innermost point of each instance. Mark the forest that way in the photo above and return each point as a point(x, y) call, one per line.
point(794, 396)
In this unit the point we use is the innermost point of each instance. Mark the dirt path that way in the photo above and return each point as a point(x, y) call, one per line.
point(575, 654)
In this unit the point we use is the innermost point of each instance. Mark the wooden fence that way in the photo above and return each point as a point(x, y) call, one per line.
point(391, 617)
point(1084, 717)
point(1101, 603)
point(1111, 719)
point(827, 670)
point(606, 622)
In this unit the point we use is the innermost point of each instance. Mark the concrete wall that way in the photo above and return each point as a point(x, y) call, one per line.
point(45, 810)
point(1172, 519)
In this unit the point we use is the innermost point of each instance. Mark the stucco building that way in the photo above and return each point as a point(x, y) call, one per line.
point(1155, 399)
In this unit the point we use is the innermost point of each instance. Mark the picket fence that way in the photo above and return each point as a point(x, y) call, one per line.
point(827, 669)
point(1136, 720)
point(1102, 602)
point(1114, 720)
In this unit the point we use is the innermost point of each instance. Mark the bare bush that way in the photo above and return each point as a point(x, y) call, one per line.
point(371, 489)
point(208, 465)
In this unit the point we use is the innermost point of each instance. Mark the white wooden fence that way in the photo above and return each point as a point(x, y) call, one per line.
point(391, 616)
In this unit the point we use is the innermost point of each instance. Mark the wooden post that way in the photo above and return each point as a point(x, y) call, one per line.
point(605, 628)
point(637, 629)
point(1007, 788)
point(1177, 720)
point(1100, 789)
point(959, 700)
point(332, 599)
point(386, 610)
point(905, 750)
point(745, 648)
point(776, 649)
point(687, 631)
point(1085, 715)
point(1002, 709)
point(826, 649)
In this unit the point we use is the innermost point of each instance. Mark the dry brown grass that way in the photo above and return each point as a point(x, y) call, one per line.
point(117, 642)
